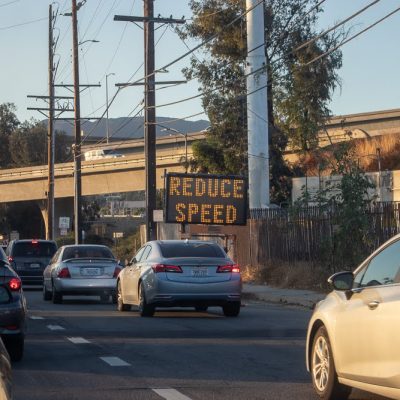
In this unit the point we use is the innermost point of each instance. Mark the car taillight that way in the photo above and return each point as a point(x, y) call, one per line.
point(10, 259)
point(234, 268)
point(15, 284)
point(64, 273)
point(166, 268)
point(117, 270)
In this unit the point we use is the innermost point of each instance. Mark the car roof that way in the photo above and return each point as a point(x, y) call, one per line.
point(83, 245)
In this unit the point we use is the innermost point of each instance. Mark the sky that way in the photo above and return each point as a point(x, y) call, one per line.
point(370, 79)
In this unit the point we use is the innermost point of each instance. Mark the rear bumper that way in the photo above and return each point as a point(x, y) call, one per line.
point(70, 286)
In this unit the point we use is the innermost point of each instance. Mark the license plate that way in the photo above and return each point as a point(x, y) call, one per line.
point(35, 265)
point(90, 271)
point(199, 272)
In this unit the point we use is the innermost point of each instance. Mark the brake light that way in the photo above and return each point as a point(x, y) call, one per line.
point(10, 259)
point(64, 273)
point(15, 284)
point(166, 268)
point(117, 270)
point(232, 268)
point(34, 241)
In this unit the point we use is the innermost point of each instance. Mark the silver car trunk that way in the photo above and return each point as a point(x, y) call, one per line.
point(198, 270)
point(88, 268)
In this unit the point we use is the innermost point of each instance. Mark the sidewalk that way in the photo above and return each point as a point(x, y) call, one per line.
point(304, 298)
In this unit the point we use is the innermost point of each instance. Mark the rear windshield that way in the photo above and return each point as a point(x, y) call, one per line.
point(87, 252)
point(34, 249)
point(169, 250)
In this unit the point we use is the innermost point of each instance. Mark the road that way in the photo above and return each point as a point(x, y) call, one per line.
point(85, 349)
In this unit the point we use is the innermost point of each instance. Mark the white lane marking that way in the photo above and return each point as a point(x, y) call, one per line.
point(115, 361)
point(55, 328)
point(78, 340)
point(171, 394)
point(35, 317)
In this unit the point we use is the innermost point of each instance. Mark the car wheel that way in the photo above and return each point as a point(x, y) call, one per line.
point(323, 372)
point(56, 296)
point(201, 308)
point(104, 298)
point(46, 293)
point(145, 309)
point(15, 347)
point(121, 306)
point(231, 309)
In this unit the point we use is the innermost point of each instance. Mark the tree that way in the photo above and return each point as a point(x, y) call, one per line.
point(298, 93)
point(28, 145)
point(8, 123)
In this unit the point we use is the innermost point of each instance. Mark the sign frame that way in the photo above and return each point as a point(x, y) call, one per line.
point(244, 201)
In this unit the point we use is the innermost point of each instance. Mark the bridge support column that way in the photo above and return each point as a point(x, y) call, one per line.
point(63, 207)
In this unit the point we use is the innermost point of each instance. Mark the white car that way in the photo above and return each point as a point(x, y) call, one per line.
point(353, 336)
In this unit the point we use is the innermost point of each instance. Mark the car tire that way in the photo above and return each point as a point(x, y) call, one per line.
point(323, 372)
point(231, 309)
point(56, 296)
point(145, 309)
point(121, 306)
point(15, 347)
point(46, 293)
point(104, 298)
point(201, 308)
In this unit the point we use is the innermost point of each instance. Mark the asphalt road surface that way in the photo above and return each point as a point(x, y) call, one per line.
point(85, 349)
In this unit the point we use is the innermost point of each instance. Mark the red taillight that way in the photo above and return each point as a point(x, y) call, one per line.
point(10, 259)
point(234, 268)
point(166, 268)
point(15, 284)
point(64, 273)
point(117, 270)
point(34, 241)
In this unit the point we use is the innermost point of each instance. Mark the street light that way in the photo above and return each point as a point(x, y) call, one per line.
point(186, 147)
point(107, 126)
point(88, 41)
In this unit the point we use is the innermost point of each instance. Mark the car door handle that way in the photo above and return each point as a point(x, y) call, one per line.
point(373, 304)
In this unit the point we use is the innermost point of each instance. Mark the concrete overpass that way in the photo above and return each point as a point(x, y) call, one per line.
point(104, 176)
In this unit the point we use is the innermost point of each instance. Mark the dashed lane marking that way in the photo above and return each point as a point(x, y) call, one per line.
point(55, 328)
point(78, 340)
point(115, 361)
point(35, 317)
point(171, 394)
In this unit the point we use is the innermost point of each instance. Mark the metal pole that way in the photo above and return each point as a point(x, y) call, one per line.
point(107, 123)
point(150, 119)
point(378, 156)
point(50, 136)
point(77, 124)
point(257, 113)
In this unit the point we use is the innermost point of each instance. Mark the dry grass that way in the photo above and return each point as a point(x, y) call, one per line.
point(298, 275)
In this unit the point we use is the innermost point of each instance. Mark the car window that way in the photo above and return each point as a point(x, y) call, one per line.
point(184, 249)
point(146, 253)
point(86, 252)
point(33, 249)
point(3, 256)
point(138, 255)
point(383, 269)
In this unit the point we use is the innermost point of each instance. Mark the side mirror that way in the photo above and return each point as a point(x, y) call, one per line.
point(342, 281)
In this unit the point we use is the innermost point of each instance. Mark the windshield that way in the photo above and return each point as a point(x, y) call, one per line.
point(87, 252)
point(34, 249)
point(169, 250)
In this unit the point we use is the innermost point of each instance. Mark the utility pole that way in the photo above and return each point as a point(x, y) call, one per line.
point(77, 124)
point(50, 135)
point(257, 111)
point(150, 110)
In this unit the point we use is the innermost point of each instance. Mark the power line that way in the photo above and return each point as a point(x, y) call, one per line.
point(10, 2)
point(22, 24)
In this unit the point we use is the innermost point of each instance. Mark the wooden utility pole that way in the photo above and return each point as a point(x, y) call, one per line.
point(77, 124)
point(50, 135)
point(150, 107)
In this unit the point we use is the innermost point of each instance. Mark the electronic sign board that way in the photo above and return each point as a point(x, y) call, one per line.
point(205, 199)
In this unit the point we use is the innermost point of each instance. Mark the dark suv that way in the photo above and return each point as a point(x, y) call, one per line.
point(12, 310)
point(29, 258)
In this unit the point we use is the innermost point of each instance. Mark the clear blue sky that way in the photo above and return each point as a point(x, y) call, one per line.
point(370, 79)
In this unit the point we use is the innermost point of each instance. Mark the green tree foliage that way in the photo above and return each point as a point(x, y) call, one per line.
point(8, 123)
point(28, 145)
point(298, 94)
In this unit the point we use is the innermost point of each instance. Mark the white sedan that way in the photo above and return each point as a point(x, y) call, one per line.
point(353, 336)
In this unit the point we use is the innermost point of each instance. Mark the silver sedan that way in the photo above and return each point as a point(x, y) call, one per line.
point(81, 270)
point(174, 273)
